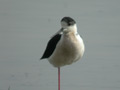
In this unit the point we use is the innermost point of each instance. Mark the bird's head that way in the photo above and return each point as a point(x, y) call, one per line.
point(67, 22)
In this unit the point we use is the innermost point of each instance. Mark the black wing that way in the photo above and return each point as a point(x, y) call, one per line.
point(51, 46)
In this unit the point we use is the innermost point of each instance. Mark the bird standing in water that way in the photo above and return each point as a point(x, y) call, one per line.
point(65, 47)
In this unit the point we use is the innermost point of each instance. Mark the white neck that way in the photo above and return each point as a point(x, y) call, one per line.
point(72, 28)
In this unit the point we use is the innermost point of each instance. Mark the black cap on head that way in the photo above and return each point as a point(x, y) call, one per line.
point(68, 20)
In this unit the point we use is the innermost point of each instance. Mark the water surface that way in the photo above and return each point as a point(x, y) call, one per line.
point(27, 25)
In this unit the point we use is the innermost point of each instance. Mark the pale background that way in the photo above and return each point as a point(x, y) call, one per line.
point(27, 25)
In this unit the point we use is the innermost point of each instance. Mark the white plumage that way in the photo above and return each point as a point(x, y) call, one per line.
point(69, 49)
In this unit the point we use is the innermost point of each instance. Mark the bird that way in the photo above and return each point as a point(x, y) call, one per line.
point(65, 47)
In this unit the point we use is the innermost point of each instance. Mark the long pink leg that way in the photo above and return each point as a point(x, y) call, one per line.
point(58, 78)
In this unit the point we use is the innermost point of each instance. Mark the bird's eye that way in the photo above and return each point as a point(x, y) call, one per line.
point(70, 23)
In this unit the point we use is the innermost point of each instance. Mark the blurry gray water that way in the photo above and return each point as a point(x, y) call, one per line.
point(27, 25)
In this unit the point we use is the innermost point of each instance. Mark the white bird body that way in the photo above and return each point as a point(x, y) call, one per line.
point(65, 47)
point(69, 49)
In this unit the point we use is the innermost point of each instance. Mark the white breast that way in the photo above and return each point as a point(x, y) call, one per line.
point(69, 49)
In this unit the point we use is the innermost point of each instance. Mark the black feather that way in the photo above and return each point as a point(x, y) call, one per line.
point(51, 46)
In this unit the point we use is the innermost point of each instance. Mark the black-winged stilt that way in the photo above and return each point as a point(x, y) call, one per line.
point(65, 47)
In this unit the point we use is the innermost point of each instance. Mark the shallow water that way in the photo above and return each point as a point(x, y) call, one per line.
point(25, 28)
